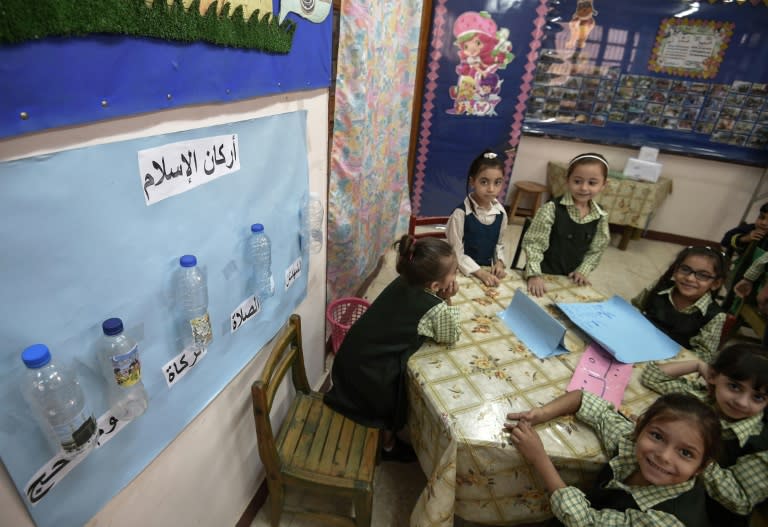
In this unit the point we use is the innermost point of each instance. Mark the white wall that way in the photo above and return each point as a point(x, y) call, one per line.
point(708, 197)
point(210, 472)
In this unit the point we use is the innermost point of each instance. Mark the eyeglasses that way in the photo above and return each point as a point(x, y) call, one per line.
point(700, 275)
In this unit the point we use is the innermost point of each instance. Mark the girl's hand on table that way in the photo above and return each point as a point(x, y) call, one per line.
point(528, 442)
point(498, 269)
point(487, 278)
point(533, 416)
point(536, 286)
point(579, 279)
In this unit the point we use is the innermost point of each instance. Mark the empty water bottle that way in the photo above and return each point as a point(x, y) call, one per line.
point(120, 364)
point(192, 305)
point(315, 214)
point(54, 393)
point(261, 259)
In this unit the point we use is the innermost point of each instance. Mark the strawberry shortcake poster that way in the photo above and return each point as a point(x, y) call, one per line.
point(483, 49)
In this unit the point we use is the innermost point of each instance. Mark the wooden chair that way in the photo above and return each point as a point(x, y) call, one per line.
point(437, 222)
point(519, 248)
point(316, 448)
point(530, 188)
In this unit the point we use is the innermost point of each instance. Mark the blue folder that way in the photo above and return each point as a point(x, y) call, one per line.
point(622, 330)
point(536, 328)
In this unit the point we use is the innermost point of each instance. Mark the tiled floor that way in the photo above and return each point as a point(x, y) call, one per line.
point(397, 485)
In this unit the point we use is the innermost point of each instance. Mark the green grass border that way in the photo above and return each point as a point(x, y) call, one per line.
point(23, 20)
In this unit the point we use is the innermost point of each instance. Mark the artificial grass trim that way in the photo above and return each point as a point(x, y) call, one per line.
point(23, 20)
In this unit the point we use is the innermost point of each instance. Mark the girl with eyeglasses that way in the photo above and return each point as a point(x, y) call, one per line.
point(682, 304)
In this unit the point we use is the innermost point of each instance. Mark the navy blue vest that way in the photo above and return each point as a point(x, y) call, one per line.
point(680, 327)
point(689, 507)
point(480, 240)
point(568, 242)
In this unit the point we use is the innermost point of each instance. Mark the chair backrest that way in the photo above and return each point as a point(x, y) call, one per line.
point(287, 354)
point(436, 222)
point(519, 248)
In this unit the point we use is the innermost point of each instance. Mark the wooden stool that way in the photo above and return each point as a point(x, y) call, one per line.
point(526, 187)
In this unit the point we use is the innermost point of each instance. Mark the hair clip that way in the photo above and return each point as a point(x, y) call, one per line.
point(490, 155)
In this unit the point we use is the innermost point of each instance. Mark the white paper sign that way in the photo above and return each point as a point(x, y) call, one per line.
point(171, 169)
point(59, 465)
point(180, 365)
point(292, 273)
point(247, 309)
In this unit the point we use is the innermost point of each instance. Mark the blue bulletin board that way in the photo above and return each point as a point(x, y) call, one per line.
point(599, 77)
point(58, 81)
point(479, 67)
point(80, 245)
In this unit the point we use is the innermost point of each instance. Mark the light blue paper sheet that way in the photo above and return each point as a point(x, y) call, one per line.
point(534, 327)
point(622, 330)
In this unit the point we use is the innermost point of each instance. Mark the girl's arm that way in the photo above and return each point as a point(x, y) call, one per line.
point(742, 485)
point(596, 248)
point(705, 343)
point(567, 404)
point(454, 232)
point(665, 378)
point(499, 268)
point(571, 507)
point(441, 323)
point(529, 445)
point(536, 240)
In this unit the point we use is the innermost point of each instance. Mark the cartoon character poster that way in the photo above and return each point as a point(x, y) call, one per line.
point(484, 49)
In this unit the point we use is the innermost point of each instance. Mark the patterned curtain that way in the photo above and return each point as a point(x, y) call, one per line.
point(368, 188)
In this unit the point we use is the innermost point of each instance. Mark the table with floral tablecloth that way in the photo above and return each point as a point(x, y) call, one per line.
point(459, 397)
point(629, 203)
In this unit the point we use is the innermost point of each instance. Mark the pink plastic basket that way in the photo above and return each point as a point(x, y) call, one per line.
point(341, 314)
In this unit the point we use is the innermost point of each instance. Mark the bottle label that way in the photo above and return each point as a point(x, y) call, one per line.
point(77, 432)
point(126, 368)
point(201, 330)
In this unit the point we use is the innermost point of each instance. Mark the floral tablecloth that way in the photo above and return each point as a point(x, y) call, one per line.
point(459, 397)
point(627, 201)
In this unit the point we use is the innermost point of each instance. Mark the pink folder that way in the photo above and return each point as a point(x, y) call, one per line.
point(598, 372)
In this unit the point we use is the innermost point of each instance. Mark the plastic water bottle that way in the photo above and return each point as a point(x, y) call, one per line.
point(261, 259)
point(122, 369)
point(192, 304)
point(315, 214)
point(55, 395)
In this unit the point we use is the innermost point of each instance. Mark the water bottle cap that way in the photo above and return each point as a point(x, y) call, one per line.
point(188, 260)
point(36, 356)
point(112, 326)
point(257, 227)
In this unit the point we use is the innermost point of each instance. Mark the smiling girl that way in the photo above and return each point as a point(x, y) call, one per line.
point(569, 234)
point(651, 476)
point(737, 389)
point(681, 303)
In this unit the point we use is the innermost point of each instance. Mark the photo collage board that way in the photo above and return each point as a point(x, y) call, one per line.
point(734, 114)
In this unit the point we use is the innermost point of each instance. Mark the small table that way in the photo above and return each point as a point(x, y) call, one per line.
point(628, 202)
point(459, 397)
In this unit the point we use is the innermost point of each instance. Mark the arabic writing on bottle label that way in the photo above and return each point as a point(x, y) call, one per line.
point(247, 308)
point(292, 273)
point(180, 365)
point(171, 169)
point(59, 465)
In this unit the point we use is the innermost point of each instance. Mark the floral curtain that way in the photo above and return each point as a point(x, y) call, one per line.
point(368, 202)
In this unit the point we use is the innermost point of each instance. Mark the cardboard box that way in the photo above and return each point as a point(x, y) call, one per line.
point(642, 170)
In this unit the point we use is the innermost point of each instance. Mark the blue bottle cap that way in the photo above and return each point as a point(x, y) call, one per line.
point(257, 227)
point(112, 326)
point(188, 260)
point(36, 356)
